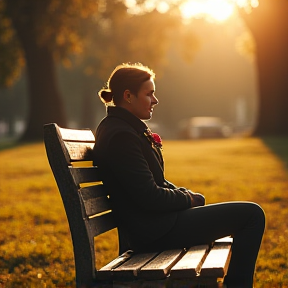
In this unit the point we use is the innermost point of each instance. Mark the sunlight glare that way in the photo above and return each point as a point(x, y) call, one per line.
point(248, 5)
point(163, 7)
point(146, 6)
point(245, 3)
point(219, 10)
point(211, 10)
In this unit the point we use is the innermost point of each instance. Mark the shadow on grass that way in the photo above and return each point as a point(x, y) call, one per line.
point(278, 145)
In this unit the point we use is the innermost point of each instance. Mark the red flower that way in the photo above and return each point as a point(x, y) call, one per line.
point(154, 138)
point(157, 139)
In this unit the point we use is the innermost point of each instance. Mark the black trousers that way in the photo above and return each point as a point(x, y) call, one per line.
point(244, 221)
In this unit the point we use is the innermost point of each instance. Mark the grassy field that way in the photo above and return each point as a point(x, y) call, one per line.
point(35, 244)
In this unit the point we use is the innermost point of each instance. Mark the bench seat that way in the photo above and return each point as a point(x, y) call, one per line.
point(203, 261)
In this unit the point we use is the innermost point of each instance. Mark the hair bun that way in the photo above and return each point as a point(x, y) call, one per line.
point(106, 96)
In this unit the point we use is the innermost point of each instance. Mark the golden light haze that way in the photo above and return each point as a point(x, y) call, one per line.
point(211, 10)
point(219, 10)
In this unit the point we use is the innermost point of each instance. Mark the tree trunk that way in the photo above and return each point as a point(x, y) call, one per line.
point(268, 24)
point(45, 102)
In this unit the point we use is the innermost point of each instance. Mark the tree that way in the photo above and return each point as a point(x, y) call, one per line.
point(268, 24)
point(46, 30)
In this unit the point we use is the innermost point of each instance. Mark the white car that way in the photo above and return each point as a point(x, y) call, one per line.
point(205, 127)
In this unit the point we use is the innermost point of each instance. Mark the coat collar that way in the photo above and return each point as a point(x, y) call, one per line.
point(128, 117)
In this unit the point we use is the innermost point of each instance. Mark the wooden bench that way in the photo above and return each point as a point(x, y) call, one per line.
point(89, 215)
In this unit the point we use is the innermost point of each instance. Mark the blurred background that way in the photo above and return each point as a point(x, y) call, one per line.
point(221, 65)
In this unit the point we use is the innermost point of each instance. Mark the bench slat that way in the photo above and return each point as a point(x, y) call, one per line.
point(227, 239)
point(96, 206)
point(77, 135)
point(130, 268)
point(101, 224)
point(78, 150)
point(216, 263)
point(189, 264)
point(91, 192)
point(85, 174)
point(160, 266)
point(106, 271)
point(95, 199)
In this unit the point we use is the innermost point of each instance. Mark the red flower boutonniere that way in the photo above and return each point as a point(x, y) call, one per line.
point(157, 139)
point(154, 138)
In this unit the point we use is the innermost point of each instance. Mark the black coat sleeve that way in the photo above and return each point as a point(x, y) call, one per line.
point(130, 169)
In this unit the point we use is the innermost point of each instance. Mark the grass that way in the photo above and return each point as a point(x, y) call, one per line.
point(35, 244)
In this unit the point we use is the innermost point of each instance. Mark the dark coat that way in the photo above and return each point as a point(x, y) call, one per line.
point(144, 204)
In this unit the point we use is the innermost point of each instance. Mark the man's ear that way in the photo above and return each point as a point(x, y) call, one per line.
point(127, 96)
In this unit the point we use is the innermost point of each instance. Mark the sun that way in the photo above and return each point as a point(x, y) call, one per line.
point(219, 10)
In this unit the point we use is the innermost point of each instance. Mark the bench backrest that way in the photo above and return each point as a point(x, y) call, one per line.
point(84, 197)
